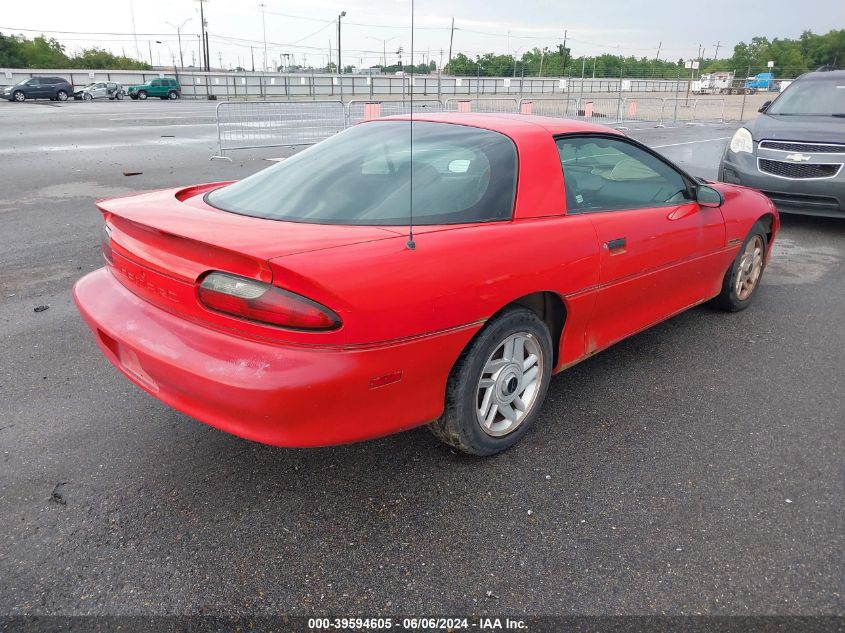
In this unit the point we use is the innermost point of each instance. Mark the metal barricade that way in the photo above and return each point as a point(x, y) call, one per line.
point(358, 111)
point(678, 109)
point(642, 110)
point(709, 110)
point(549, 106)
point(256, 124)
point(482, 105)
point(603, 110)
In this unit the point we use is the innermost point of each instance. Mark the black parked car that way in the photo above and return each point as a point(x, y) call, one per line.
point(53, 88)
point(794, 151)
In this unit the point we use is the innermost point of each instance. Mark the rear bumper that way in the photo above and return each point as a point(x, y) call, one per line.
point(276, 394)
point(822, 197)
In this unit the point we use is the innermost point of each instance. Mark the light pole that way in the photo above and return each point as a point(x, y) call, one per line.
point(264, 30)
point(179, 36)
point(339, 67)
point(515, 53)
point(384, 49)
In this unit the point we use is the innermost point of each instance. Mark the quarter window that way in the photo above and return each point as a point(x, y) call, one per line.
point(607, 174)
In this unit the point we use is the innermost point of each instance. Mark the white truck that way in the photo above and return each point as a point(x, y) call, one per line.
point(713, 83)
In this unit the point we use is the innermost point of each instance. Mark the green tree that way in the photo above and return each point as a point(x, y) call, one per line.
point(100, 59)
point(41, 52)
point(10, 52)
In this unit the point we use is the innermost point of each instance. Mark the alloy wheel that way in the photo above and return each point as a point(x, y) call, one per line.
point(509, 384)
point(750, 268)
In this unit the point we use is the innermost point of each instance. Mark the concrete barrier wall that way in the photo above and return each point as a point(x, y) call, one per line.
point(237, 85)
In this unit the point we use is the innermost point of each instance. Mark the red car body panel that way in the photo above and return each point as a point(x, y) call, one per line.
point(406, 314)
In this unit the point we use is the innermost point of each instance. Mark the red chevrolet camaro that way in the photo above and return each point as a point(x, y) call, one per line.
point(292, 307)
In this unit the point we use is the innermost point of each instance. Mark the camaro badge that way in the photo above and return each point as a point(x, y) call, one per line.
point(798, 158)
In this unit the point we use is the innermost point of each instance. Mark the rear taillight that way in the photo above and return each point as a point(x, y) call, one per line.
point(250, 299)
point(105, 239)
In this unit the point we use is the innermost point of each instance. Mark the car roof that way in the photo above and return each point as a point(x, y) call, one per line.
point(510, 124)
point(823, 75)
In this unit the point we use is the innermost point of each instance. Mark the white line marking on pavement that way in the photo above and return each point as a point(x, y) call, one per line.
point(707, 140)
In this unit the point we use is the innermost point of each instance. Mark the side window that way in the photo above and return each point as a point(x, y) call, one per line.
point(607, 174)
point(156, 82)
point(35, 81)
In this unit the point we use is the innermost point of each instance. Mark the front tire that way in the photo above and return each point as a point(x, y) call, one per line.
point(497, 386)
point(19, 96)
point(142, 95)
point(743, 278)
point(88, 96)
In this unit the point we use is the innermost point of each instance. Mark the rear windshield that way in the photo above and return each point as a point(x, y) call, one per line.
point(364, 176)
point(820, 97)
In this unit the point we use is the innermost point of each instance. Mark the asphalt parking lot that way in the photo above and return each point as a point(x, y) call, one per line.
point(695, 468)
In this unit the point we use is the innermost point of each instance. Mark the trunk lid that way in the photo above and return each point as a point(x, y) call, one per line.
point(178, 231)
point(162, 244)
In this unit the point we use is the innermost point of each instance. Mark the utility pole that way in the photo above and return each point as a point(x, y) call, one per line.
point(657, 58)
point(718, 46)
point(207, 52)
point(252, 57)
point(134, 32)
point(205, 56)
point(563, 53)
point(150, 44)
point(179, 36)
point(220, 59)
point(339, 67)
point(451, 39)
point(264, 29)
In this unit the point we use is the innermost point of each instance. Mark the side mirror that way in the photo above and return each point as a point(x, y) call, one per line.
point(765, 106)
point(708, 196)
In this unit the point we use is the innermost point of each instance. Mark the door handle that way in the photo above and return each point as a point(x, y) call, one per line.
point(616, 245)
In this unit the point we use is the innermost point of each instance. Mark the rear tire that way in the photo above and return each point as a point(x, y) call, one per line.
point(61, 95)
point(496, 388)
point(172, 95)
point(743, 278)
point(119, 96)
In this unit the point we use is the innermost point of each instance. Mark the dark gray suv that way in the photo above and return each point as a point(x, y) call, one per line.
point(795, 150)
point(53, 88)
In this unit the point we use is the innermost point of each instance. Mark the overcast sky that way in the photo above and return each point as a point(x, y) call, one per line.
point(304, 27)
